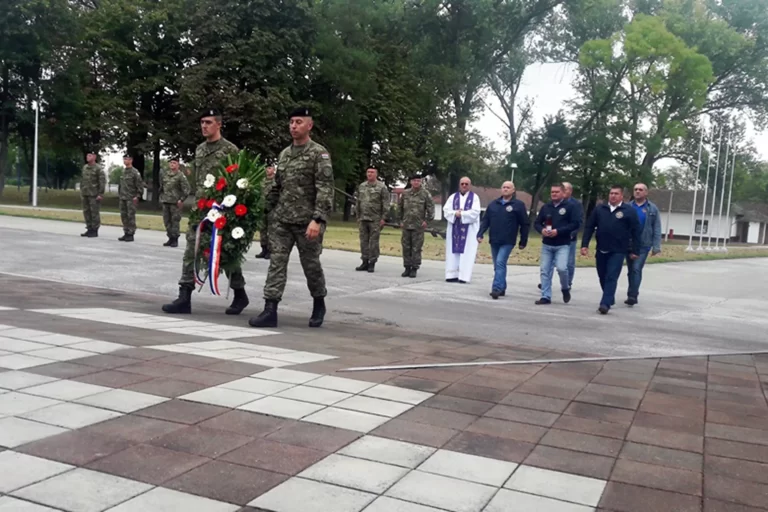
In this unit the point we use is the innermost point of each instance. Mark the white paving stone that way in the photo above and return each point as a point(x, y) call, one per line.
point(15, 380)
point(442, 492)
point(69, 415)
point(374, 406)
point(9, 504)
point(17, 345)
point(83, 490)
point(341, 384)
point(22, 361)
point(19, 470)
point(14, 403)
point(301, 357)
point(122, 400)
point(396, 394)
point(6, 308)
point(512, 501)
point(222, 396)
point(216, 354)
point(313, 395)
point(473, 468)
point(387, 504)
point(287, 376)
point(260, 386)
point(17, 431)
point(388, 451)
point(24, 334)
point(167, 500)
point(99, 347)
point(282, 407)
point(214, 345)
point(60, 339)
point(351, 420)
point(261, 361)
point(65, 390)
point(300, 495)
point(558, 485)
point(60, 353)
point(363, 475)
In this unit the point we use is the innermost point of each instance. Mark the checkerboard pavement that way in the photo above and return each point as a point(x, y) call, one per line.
point(106, 405)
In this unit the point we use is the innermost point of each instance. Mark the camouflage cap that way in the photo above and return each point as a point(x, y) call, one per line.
point(301, 112)
point(174, 158)
point(210, 112)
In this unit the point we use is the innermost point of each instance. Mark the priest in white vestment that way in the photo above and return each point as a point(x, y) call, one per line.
point(462, 211)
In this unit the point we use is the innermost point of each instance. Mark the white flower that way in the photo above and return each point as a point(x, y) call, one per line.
point(242, 183)
point(213, 215)
point(210, 179)
point(229, 201)
point(238, 233)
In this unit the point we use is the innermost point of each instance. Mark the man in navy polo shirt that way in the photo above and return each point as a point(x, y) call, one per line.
point(650, 240)
point(504, 217)
point(618, 237)
point(556, 221)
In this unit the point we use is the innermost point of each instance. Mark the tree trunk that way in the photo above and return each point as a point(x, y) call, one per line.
point(156, 175)
point(4, 127)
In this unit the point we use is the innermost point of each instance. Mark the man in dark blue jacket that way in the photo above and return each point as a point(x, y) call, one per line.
point(556, 221)
point(618, 237)
point(504, 217)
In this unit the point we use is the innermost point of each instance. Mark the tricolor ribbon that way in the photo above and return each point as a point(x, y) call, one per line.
point(214, 260)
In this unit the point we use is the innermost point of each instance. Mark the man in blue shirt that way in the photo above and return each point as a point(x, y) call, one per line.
point(568, 193)
point(504, 217)
point(650, 240)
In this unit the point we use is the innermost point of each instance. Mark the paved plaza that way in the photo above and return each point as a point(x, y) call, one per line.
point(106, 404)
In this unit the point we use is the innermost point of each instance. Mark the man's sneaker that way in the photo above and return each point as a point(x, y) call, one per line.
point(495, 294)
point(542, 301)
point(566, 296)
point(539, 286)
point(631, 301)
point(603, 309)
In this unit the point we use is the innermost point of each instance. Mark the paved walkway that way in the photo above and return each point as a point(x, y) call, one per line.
point(106, 405)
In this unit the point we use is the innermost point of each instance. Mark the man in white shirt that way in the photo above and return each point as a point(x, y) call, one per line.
point(462, 212)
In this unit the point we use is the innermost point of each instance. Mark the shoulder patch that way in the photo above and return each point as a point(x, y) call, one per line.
point(325, 156)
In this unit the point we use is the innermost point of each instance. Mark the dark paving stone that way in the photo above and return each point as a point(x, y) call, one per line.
point(657, 477)
point(236, 368)
point(736, 468)
point(135, 429)
point(722, 506)
point(741, 434)
point(475, 392)
point(169, 388)
point(180, 411)
point(77, 448)
point(610, 400)
point(662, 456)
point(153, 368)
point(277, 457)
point(149, 464)
point(631, 498)
point(412, 432)
point(490, 446)
point(671, 423)
point(187, 360)
point(62, 370)
point(429, 386)
point(144, 354)
point(246, 423)
point(445, 375)
point(508, 430)
point(318, 437)
point(201, 441)
point(736, 450)
point(462, 405)
point(622, 380)
point(669, 405)
point(600, 413)
point(667, 439)
point(539, 403)
point(588, 426)
point(680, 391)
point(736, 491)
point(202, 376)
point(737, 420)
point(595, 466)
point(502, 384)
point(227, 482)
point(509, 413)
point(112, 379)
point(438, 418)
point(753, 408)
point(546, 387)
point(107, 361)
point(582, 442)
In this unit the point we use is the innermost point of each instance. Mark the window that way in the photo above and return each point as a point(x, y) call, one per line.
point(698, 230)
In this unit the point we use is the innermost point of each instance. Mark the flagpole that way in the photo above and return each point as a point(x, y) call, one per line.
point(695, 191)
point(730, 195)
point(714, 192)
point(706, 192)
point(34, 164)
point(722, 191)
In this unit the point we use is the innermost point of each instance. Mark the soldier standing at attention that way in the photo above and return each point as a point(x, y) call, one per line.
point(131, 187)
point(208, 157)
point(92, 185)
point(174, 189)
point(372, 208)
point(300, 202)
point(269, 182)
point(416, 209)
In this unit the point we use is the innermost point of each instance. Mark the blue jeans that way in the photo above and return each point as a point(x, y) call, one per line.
point(553, 256)
point(608, 270)
point(500, 255)
point(635, 272)
point(571, 263)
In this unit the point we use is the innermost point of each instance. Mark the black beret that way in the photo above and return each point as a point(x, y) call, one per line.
point(174, 158)
point(210, 112)
point(301, 112)
point(127, 155)
point(93, 151)
point(416, 176)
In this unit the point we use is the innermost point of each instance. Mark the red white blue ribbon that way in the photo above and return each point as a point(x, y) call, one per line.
point(214, 260)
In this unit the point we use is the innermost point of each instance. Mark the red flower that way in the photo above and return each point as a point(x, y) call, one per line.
point(220, 222)
point(232, 168)
point(209, 203)
point(201, 204)
point(206, 253)
point(221, 184)
point(240, 210)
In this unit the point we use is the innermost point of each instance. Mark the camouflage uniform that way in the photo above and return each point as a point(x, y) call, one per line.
point(208, 156)
point(372, 208)
point(264, 232)
point(303, 191)
point(174, 187)
point(92, 185)
point(414, 208)
point(131, 185)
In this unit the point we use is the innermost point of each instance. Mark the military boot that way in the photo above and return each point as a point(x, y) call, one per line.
point(363, 266)
point(93, 234)
point(268, 317)
point(412, 273)
point(264, 254)
point(126, 238)
point(87, 232)
point(169, 242)
point(371, 266)
point(173, 242)
point(407, 272)
point(318, 312)
point(183, 304)
point(239, 303)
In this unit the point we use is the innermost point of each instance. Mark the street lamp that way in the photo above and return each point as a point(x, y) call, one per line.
point(514, 167)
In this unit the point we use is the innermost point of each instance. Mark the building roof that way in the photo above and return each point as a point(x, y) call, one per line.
point(751, 212)
point(682, 200)
point(488, 195)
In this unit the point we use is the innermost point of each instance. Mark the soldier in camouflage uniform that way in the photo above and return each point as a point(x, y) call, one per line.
point(92, 185)
point(371, 209)
point(131, 188)
point(416, 209)
point(208, 156)
point(300, 202)
point(269, 182)
point(174, 189)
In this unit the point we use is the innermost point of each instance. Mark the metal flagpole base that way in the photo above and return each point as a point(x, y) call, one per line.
point(690, 249)
point(699, 249)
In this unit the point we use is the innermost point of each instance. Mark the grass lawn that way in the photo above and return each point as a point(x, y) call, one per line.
point(340, 235)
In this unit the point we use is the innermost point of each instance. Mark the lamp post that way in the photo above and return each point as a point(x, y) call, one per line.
point(514, 168)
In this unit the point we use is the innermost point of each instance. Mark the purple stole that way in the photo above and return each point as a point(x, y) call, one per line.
point(459, 228)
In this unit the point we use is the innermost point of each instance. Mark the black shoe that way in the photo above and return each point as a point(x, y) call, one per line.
point(93, 234)
point(603, 309)
point(452, 280)
point(566, 296)
point(412, 273)
point(173, 242)
point(126, 238)
point(169, 242)
point(407, 272)
point(183, 304)
point(264, 254)
point(495, 294)
point(631, 301)
point(502, 293)
point(462, 282)
point(363, 266)
point(239, 303)
point(267, 318)
point(371, 267)
point(87, 233)
point(543, 301)
point(539, 286)
point(318, 312)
